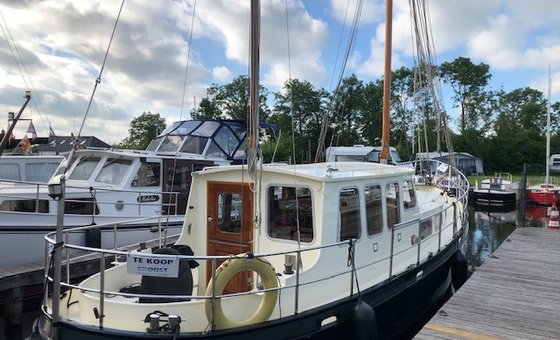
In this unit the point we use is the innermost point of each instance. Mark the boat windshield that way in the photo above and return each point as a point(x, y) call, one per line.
point(113, 171)
point(84, 168)
point(170, 143)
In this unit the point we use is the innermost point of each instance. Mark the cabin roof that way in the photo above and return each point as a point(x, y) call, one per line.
point(326, 172)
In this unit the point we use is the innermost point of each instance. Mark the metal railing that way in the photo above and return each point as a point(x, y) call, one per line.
point(103, 254)
point(40, 194)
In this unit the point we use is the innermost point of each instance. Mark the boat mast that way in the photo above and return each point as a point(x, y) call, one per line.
point(253, 117)
point(6, 137)
point(387, 83)
point(548, 128)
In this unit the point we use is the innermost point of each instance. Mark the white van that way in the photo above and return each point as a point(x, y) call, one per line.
point(555, 162)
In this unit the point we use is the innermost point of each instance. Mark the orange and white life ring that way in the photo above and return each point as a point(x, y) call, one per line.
point(224, 273)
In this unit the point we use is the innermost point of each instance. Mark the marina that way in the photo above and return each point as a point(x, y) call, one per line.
point(218, 229)
point(515, 294)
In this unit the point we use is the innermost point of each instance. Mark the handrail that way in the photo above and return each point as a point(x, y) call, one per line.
point(103, 252)
point(394, 252)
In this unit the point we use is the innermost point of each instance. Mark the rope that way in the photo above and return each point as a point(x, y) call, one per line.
point(11, 42)
point(98, 80)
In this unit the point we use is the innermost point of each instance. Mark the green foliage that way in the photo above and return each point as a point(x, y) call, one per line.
point(467, 81)
point(142, 130)
point(505, 129)
point(230, 101)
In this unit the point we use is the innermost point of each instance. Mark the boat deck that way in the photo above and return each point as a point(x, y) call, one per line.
point(515, 294)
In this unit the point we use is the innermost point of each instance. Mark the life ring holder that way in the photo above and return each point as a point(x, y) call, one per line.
point(224, 273)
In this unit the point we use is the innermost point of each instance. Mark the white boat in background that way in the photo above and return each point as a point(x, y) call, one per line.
point(324, 250)
point(113, 186)
point(26, 169)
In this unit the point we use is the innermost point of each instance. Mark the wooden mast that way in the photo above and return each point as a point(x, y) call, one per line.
point(386, 124)
point(253, 117)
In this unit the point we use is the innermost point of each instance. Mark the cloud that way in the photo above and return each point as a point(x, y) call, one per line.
point(221, 73)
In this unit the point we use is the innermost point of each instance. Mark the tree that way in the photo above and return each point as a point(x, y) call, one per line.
point(468, 81)
point(142, 130)
point(303, 106)
point(230, 101)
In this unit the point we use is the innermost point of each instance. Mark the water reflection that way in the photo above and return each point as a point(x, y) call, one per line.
point(487, 230)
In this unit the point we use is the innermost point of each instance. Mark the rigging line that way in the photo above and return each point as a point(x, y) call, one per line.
point(290, 84)
point(98, 80)
point(349, 48)
point(324, 125)
point(188, 60)
point(291, 93)
point(34, 99)
point(174, 168)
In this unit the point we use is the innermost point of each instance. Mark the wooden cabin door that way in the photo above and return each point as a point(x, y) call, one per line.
point(230, 228)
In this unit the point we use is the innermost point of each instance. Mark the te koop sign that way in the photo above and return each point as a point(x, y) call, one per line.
point(150, 265)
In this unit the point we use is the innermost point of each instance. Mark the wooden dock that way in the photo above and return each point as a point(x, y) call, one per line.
point(515, 294)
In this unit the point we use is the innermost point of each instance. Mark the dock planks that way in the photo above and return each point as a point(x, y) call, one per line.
point(515, 294)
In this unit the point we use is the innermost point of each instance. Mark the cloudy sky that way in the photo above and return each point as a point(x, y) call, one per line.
point(62, 44)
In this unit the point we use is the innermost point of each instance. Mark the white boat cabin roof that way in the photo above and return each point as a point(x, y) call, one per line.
point(328, 171)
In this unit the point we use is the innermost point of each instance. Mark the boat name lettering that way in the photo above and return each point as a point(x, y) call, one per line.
point(148, 198)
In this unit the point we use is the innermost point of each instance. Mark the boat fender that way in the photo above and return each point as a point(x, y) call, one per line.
point(224, 273)
point(364, 322)
point(459, 271)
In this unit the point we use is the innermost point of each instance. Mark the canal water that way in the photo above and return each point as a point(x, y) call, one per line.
point(487, 231)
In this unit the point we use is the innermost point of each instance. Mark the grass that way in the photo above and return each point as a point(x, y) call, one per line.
point(531, 179)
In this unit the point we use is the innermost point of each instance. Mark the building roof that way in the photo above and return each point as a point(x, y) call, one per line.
point(60, 144)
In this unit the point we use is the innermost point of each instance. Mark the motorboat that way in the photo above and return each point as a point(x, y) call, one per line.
point(27, 169)
point(111, 186)
point(498, 191)
point(293, 261)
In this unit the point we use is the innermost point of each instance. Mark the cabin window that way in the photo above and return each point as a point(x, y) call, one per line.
point(437, 222)
point(215, 151)
point(392, 200)
point(194, 145)
point(229, 212)
point(425, 228)
point(25, 206)
point(10, 172)
point(372, 195)
point(84, 168)
point(113, 171)
point(227, 140)
point(349, 208)
point(170, 143)
point(81, 207)
point(409, 195)
point(148, 175)
point(39, 172)
point(206, 129)
point(290, 209)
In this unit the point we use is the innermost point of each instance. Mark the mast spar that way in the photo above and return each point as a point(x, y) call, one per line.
point(253, 116)
point(387, 83)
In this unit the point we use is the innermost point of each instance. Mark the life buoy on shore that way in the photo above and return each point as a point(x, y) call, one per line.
point(224, 273)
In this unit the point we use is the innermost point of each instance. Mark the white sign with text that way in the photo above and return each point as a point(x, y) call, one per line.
point(150, 265)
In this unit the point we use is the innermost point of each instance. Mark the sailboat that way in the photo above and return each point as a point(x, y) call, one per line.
point(275, 251)
point(545, 193)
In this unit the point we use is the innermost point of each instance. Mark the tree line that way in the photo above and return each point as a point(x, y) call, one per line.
point(505, 129)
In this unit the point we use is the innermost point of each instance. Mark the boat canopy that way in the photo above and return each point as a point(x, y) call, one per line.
point(212, 138)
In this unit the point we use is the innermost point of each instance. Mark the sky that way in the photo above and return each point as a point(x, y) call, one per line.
point(165, 54)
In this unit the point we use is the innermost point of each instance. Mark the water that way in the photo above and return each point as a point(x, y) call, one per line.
point(487, 230)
